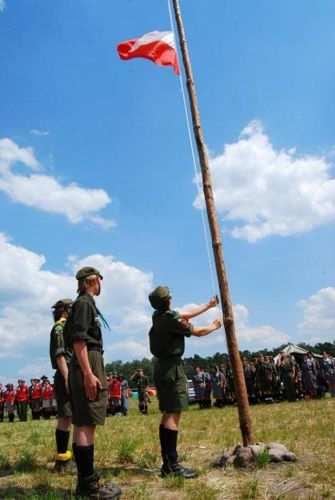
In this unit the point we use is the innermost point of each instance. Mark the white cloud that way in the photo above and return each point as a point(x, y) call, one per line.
point(11, 153)
point(2, 5)
point(28, 291)
point(36, 369)
point(45, 192)
point(319, 311)
point(261, 191)
point(249, 337)
point(102, 222)
point(125, 291)
point(39, 133)
point(129, 349)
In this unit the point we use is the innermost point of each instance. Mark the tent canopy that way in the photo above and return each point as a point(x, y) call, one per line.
point(294, 349)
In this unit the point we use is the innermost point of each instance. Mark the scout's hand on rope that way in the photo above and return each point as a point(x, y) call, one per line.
point(92, 385)
point(213, 302)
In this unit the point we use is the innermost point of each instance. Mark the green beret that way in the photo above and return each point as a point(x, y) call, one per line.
point(159, 296)
point(87, 271)
point(63, 303)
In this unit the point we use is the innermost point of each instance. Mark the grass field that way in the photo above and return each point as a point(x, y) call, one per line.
point(127, 452)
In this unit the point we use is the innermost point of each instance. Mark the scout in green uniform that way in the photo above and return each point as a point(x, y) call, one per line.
point(60, 357)
point(142, 383)
point(167, 344)
point(88, 383)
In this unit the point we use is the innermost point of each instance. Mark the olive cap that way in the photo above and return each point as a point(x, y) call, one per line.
point(87, 271)
point(158, 296)
point(60, 304)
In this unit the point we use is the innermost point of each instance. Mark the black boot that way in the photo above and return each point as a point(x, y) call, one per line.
point(63, 459)
point(89, 487)
point(171, 466)
point(176, 469)
point(67, 467)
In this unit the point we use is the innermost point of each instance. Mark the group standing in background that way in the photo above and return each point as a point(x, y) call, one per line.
point(290, 378)
point(39, 397)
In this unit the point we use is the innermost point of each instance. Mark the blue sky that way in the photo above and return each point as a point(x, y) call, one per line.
point(95, 167)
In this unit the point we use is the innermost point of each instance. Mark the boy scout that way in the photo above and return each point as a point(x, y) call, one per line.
point(60, 357)
point(142, 383)
point(167, 344)
point(88, 383)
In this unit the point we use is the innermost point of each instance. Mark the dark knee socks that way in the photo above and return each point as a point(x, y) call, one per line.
point(62, 440)
point(84, 456)
point(168, 440)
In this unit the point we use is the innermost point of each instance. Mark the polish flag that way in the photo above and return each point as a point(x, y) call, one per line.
point(157, 46)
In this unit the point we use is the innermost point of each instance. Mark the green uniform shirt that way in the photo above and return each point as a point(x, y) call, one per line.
point(57, 344)
point(167, 334)
point(83, 323)
point(141, 382)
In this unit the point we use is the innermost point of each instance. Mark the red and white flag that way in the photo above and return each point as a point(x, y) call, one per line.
point(157, 46)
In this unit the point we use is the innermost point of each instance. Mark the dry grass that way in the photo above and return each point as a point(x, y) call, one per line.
point(127, 452)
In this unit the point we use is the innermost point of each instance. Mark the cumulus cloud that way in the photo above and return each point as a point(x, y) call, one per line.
point(249, 337)
point(125, 293)
point(39, 367)
point(319, 311)
point(261, 191)
point(130, 349)
point(45, 192)
point(28, 291)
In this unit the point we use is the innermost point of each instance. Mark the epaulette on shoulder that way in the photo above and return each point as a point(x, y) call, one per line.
point(174, 314)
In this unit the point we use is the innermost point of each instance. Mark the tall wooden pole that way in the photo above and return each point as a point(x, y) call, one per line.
point(228, 317)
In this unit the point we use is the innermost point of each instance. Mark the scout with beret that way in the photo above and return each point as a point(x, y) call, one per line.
point(60, 357)
point(88, 382)
point(167, 344)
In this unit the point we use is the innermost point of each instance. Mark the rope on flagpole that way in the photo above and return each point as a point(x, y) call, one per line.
point(196, 171)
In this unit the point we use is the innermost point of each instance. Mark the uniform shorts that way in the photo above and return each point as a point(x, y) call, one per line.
point(84, 411)
point(62, 397)
point(171, 384)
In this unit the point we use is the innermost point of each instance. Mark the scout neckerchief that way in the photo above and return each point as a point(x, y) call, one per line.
point(103, 319)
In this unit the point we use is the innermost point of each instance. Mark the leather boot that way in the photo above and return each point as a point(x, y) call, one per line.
point(176, 469)
point(89, 488)
point(67, 467)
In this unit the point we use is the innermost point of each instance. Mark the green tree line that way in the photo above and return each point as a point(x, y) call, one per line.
point(128, 368)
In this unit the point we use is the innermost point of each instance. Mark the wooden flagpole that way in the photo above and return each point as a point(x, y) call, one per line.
point(228, 318)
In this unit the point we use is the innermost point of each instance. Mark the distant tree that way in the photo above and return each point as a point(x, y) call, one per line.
point(208, 363)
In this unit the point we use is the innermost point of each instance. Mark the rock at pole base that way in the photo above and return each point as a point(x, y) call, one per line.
point(258, 454)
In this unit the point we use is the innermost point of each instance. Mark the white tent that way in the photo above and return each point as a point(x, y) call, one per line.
point(294, 349)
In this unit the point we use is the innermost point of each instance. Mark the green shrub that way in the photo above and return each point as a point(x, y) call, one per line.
point(263, 459)
point(126, 450)
point(27, 462)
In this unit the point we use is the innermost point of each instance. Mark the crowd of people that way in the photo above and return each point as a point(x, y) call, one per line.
point(268, 380)
point(40, 398)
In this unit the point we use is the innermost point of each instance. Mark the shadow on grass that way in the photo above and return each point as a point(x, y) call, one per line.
point(129, 469)
point(37, 493)
point(6, 472)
